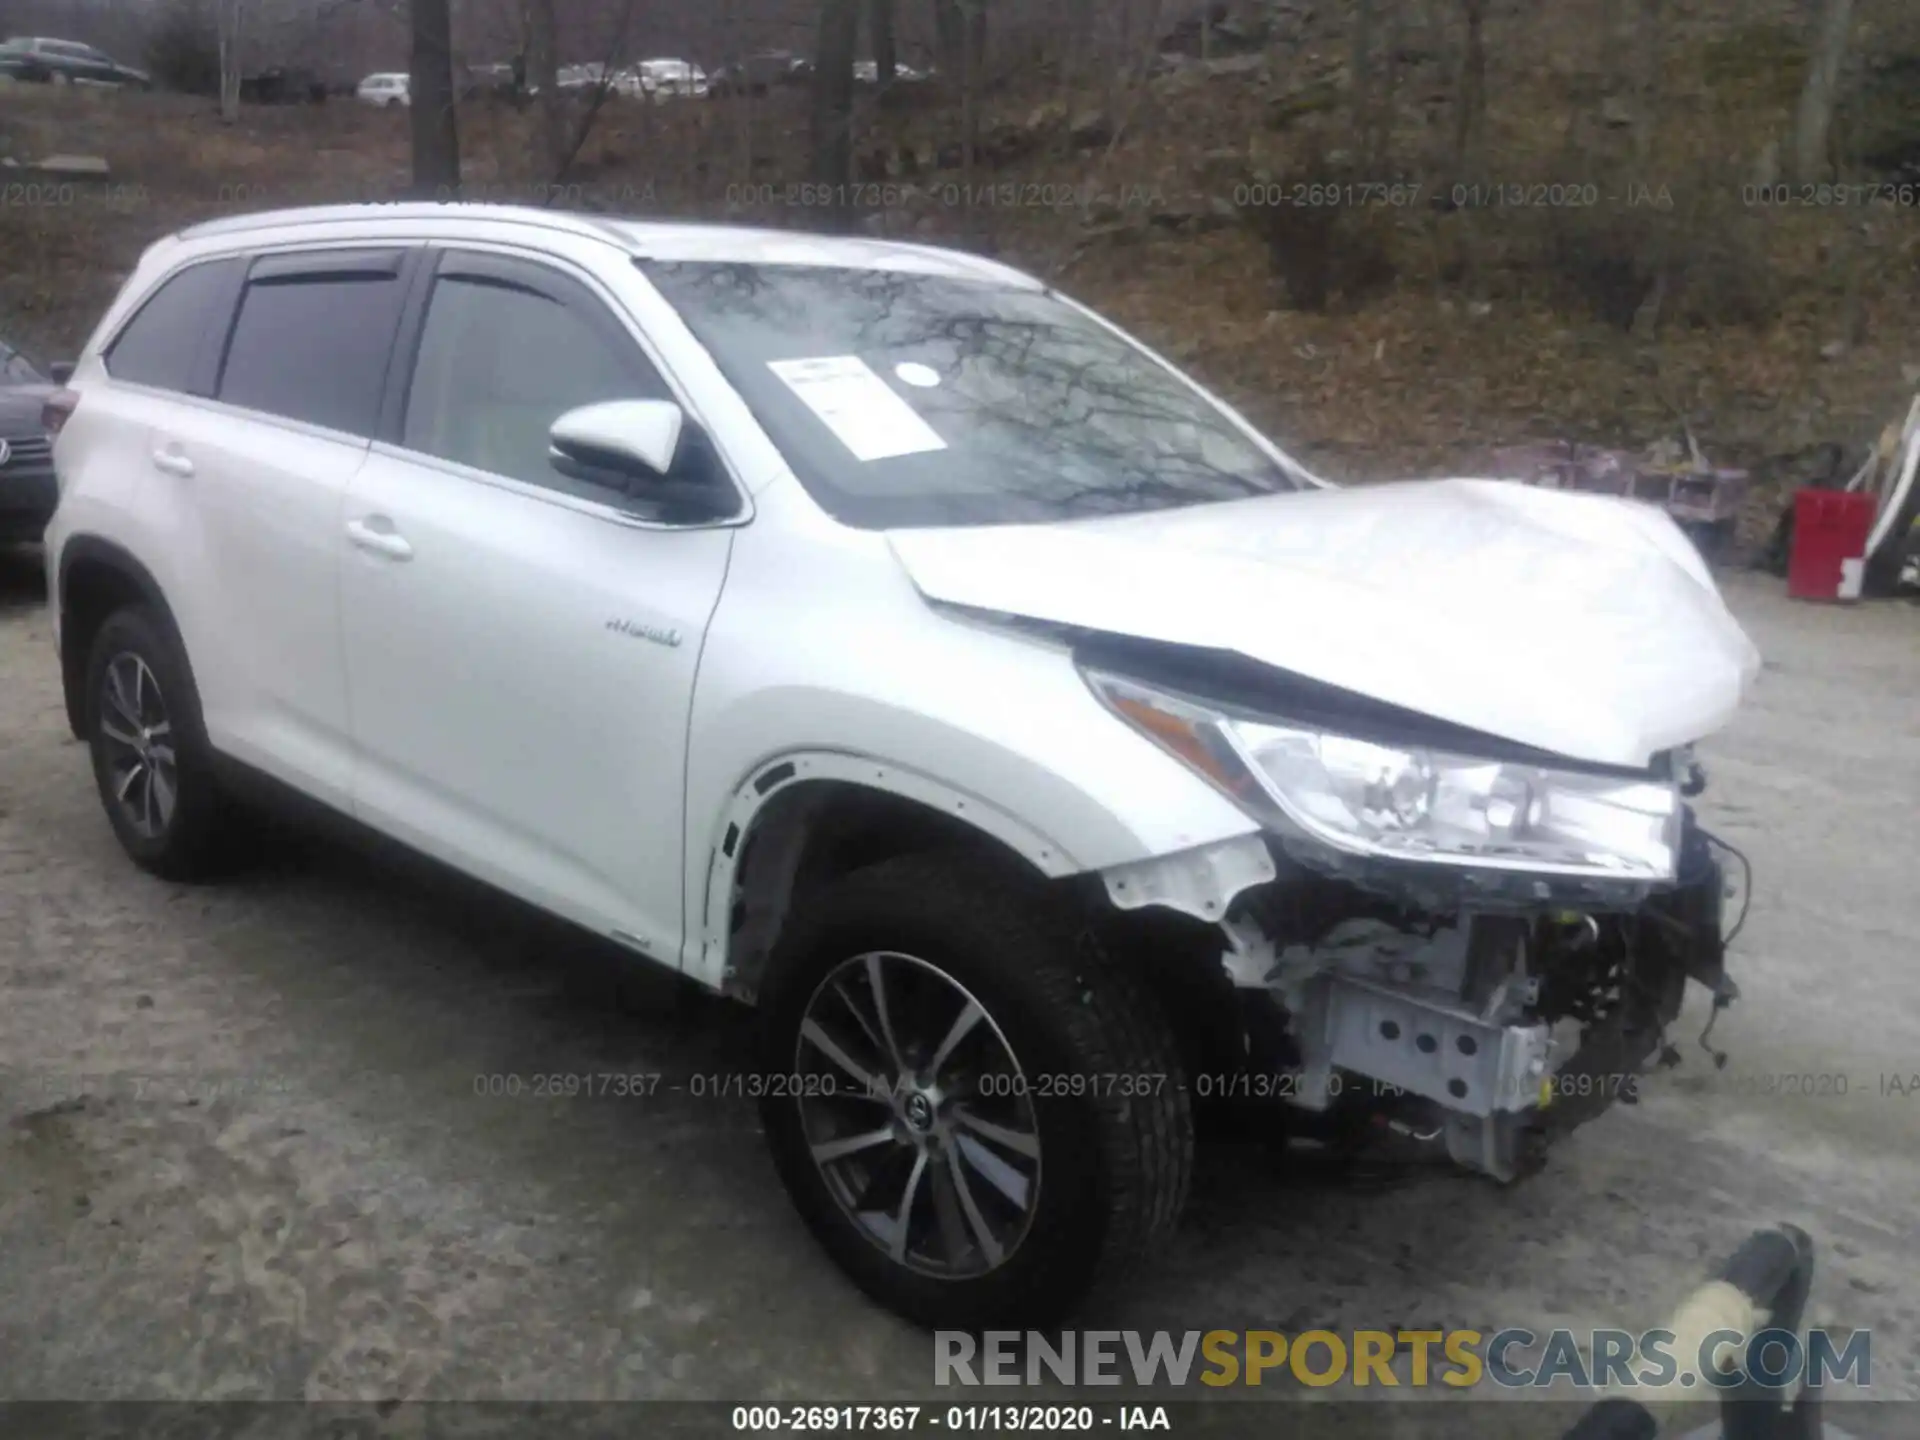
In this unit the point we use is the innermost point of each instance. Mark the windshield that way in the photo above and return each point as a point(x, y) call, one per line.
point(910, 400)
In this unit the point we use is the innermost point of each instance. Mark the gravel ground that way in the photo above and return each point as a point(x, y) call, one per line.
point(244, 1149)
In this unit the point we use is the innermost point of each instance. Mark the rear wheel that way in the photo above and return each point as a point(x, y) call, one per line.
point(151, 760)
point(977, 1117)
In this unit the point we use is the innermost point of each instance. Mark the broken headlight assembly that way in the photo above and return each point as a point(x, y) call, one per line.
point(1414, 802)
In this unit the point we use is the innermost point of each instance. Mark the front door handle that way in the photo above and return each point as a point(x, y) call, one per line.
point(376, 534)
point(172, 462)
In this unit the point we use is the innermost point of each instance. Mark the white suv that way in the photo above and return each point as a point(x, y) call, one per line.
point(874, 635)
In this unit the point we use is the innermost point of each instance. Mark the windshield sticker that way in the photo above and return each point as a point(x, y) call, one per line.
point(859, 407)
point(912, 372)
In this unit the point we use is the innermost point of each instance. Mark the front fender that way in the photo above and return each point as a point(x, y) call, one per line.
point(1066, 804)
point(822, 651)
point(708, 952)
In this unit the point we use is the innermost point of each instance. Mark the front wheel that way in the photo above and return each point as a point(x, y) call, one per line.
point(976, 1115)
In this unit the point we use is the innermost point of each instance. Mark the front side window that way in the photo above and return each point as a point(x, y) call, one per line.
point(161, 344)
point(499, 362)
point(908, 400)
point(314, 347)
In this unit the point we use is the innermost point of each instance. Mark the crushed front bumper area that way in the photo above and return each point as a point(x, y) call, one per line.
point(1489, 1020)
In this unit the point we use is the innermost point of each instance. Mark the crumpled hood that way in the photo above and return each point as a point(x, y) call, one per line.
point(1580, 624)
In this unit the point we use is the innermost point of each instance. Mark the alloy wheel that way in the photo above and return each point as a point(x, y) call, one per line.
point(141, 764)
point(918, 1115)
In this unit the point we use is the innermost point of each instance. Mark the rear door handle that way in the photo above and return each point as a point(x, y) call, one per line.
point(172, 462)
point(376, 534)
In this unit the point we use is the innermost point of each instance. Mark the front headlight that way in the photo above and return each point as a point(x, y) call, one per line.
point(1413, 802)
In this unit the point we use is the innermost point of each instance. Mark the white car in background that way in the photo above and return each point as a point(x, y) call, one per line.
point(867, 72)
point(671, 79)
point(872, 634)
point(582, 77)
point(386, 89)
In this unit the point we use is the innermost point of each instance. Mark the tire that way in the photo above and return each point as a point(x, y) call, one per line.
point(134, 655)
point(1090, 1082)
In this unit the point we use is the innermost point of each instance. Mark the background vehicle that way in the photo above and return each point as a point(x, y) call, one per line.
point(669, 79)
point(494, 79)
point(879, 638)
point(385, 89)
point(867, 72)
point(581, 77)
point(755, 73)
point(34, 58)
point(27, 490)
point(283, 85)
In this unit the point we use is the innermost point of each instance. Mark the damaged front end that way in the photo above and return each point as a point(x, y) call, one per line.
point(1436, 933)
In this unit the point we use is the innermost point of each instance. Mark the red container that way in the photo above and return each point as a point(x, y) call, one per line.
point(1830, 527)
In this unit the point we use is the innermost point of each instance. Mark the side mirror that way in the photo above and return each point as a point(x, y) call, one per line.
point(645, 450)
point(635, 439)
point(60, 371)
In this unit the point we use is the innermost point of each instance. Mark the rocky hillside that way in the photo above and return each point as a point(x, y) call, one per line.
point(1612, 261)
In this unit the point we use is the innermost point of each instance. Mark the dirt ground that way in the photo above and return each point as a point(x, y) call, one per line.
point(246, 1149)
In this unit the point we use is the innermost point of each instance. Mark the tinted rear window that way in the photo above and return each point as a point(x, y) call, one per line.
point(159, 345)
point(314, 348)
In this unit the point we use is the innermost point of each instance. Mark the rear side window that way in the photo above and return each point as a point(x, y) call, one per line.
point(160, 344)
point(312, 344)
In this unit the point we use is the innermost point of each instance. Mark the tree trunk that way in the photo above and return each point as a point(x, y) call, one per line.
point(1081, 40)
point(973, 45)
point(833, 104)
point(573, 136)
point(1360, 73)
point(436, 135)
point(1471, 96)
point(886, 54)
point(1386, 90)
point(1650, 48)
point(1815, 119)
point(950, 37)
point(543, 67)
point(229, 19)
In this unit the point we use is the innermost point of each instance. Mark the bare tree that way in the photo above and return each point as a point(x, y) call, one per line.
point(1649, 50)
point(950, 36)
point(1471, 94)
point(436, 135)
point(886, 53)
point(1080, 38)
point(833, 101)
point(543, 78)
point(1360, 73)
point(1815, 118)
point(574, 137)
point(230, 25)
point(973, 56)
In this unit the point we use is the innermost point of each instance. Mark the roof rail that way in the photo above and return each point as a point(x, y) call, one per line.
point(568, 221)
